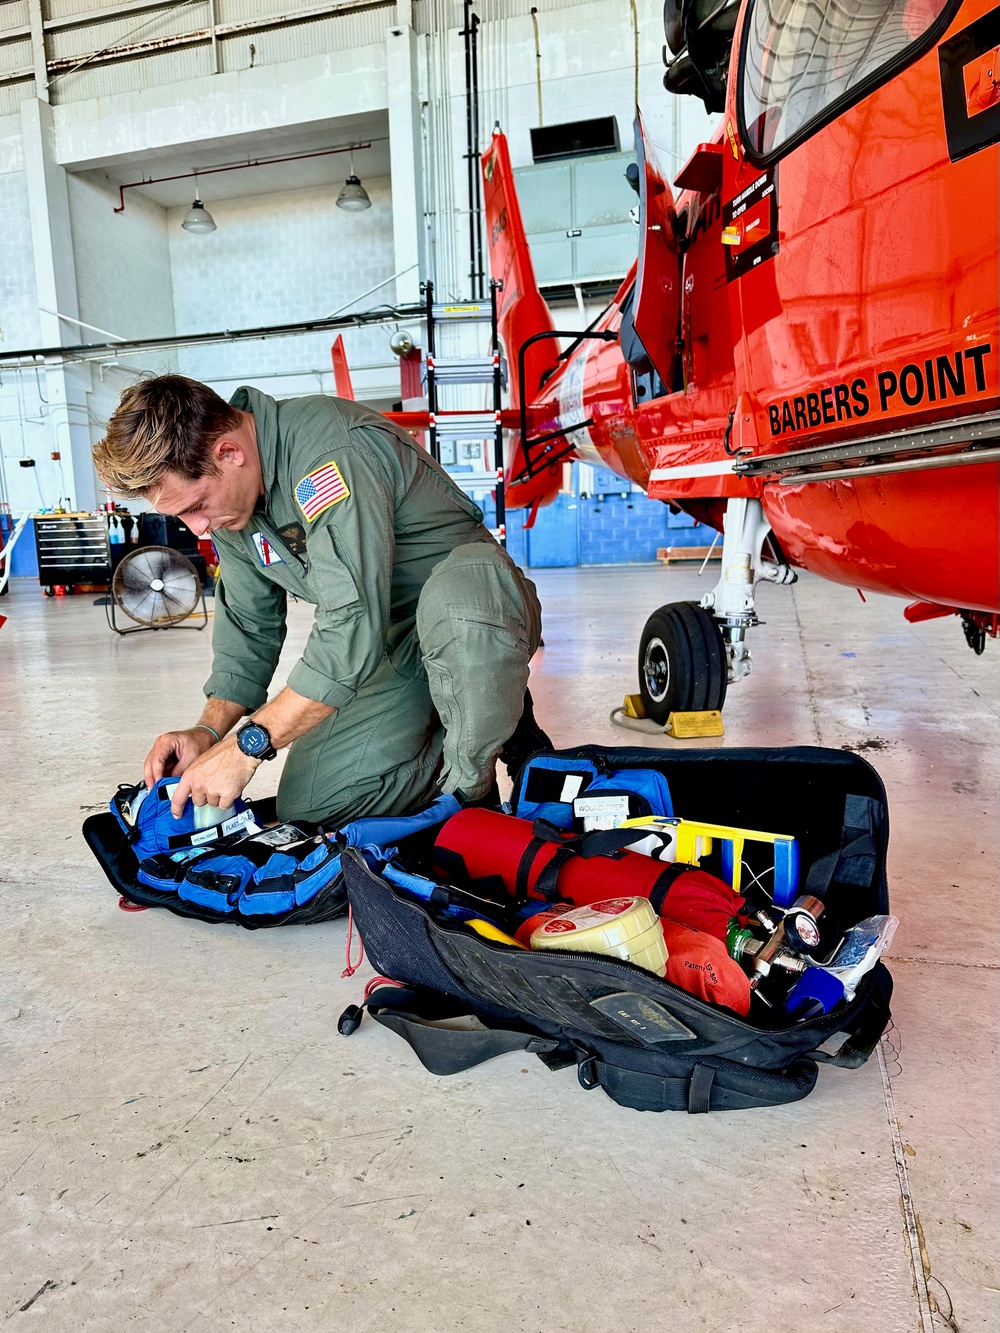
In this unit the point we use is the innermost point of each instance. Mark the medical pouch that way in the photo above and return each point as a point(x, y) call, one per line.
point(255, 877)
point(147, 820)
point(649, 1044)
point(278, 875)
point(587, 794)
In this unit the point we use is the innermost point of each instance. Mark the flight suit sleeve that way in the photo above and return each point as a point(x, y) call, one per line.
point(351, 550)
point(248, 632)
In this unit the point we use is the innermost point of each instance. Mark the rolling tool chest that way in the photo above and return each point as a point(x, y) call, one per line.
point(72, 548)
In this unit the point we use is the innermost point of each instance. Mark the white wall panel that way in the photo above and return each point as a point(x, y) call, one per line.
point(436, 15)
point(57, 9)
point(75, 43)
point(131, 76)
point(13, 94)
point(19, 325)
point(14, 56)
point(276, 259)
point(122, 260)
point(13, 14)
point(247, 11)
point(343, 33)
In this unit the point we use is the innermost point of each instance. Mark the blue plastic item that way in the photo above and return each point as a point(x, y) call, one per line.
point(815, 993)
point(786, 869)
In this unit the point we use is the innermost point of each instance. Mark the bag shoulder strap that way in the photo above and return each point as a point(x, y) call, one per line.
point(414, 1014)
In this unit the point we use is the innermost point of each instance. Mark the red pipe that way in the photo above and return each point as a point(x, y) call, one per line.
point(239, 166)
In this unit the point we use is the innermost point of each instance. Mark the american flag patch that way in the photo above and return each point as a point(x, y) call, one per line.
point(321, 489)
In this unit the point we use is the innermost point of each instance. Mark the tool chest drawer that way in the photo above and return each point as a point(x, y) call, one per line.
point(72, 548)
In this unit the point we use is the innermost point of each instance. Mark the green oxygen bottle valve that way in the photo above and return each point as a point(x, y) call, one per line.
point(739, 939)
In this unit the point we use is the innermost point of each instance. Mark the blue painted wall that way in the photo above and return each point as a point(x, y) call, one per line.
point(612, 525)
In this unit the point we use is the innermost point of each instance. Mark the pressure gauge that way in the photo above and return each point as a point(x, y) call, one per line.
point(802, 923)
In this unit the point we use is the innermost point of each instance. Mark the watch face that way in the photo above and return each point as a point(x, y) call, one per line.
point(253, 741)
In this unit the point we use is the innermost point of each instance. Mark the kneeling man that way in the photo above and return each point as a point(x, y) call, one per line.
point(414, 676)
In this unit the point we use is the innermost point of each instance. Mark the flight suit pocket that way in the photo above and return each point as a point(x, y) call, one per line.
point(333, 585)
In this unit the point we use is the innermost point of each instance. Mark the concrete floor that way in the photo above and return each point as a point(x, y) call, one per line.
point(187, 1144)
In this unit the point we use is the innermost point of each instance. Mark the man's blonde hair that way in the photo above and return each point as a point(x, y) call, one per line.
point(166, 423)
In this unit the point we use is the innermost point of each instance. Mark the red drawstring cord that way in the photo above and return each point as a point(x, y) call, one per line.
point(374, 984)
point(351, 968)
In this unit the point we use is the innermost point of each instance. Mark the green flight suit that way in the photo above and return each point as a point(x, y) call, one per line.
point(424, 626)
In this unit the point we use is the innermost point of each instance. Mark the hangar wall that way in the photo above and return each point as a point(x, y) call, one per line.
point(257, 86)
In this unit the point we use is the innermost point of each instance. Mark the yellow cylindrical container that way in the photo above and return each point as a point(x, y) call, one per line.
point(491, 932)
point(620, 927)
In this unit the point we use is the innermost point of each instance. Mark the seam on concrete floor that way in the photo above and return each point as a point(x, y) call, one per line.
point(944, 962)
point(914, 1243)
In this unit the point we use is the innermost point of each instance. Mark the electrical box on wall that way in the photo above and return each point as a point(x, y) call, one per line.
point(576, 215)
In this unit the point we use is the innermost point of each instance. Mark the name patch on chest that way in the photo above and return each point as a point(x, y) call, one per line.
point(321, 489)
point(294, 537)
point(266, 553)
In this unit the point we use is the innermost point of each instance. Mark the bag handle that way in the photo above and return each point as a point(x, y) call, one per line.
point(872, 1022)
point(649, 1092)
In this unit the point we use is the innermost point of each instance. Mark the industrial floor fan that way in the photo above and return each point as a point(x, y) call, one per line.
point(157, 588)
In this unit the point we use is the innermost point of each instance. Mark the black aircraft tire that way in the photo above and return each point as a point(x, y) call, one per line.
point(682, 662)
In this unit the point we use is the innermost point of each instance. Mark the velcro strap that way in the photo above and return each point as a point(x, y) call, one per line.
point(665, 882)
point(547, 883)
point(546, 785)
point(524, 866)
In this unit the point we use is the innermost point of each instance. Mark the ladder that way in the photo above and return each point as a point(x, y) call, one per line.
point(468, 425)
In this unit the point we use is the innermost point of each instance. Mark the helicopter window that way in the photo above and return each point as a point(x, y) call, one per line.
point(805, 61)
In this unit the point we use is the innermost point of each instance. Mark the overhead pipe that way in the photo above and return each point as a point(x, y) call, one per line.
point(94, 351)
point(239, 166)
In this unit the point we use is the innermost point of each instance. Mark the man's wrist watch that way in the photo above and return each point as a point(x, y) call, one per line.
point(254, 741)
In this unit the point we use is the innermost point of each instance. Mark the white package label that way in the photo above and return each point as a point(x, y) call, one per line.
point(601, 812)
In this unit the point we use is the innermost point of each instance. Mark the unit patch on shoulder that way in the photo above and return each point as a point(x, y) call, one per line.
point(266, 553)
point(321, 489)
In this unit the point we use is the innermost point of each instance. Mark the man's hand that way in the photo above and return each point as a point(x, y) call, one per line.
point(216, 778)
point(174, 752)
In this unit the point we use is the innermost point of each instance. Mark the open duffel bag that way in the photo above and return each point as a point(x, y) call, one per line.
point(648, 1043)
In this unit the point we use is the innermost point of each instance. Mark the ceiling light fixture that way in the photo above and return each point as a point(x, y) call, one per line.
point(353, 197)
point(198, 219)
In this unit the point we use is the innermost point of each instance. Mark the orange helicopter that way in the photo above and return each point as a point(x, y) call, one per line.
point(805, 354)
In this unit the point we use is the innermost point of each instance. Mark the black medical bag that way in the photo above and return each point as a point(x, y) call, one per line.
point(650, 1045)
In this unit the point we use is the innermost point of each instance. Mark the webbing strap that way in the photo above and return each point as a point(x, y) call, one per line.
point(700, 1090)
point(823, 872)
point(547, 883)
point(451, 1050)
point(524, 865)
point(665, 883)
point(650, 1092)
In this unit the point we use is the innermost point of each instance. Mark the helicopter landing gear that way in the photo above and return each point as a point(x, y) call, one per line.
point(976, 625)
point(682, 662)
point(731, 601)
point(690, 652)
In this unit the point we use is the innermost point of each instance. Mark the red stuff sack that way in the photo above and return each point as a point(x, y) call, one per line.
point(485, 845)
point(541, 862)
point(700, 900)
point(699, 964)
